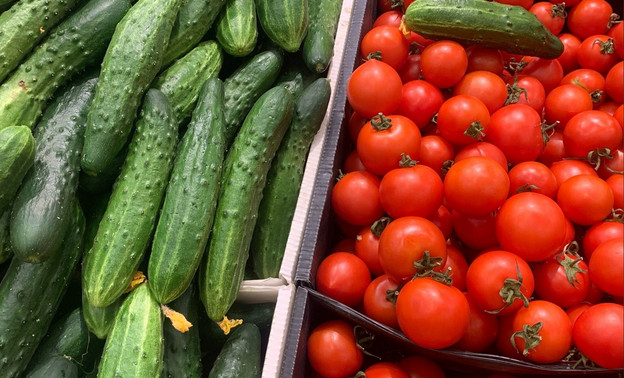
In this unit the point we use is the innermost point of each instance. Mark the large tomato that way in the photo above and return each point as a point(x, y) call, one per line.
point(420, 101)
point(333, 351)
point(597, 52)
point(553, 16)
point(606, 267)
point(463, 119)
point(344, 277)
point(444, 63)
point(484, 59)
point(566, 101)
point(355, 198)
point(484, 85)
point(616, 182)
point(485, 149)
point(585, 199)
point(567, 59)
point(373, 88)
point(589, 17)
point(614, 82)
point(532, 176)
point(598, 333)
point(397, 188)
point(562, 280)
point(527, 90)
point(590, 80)
point(387, 43)
point(564, 169)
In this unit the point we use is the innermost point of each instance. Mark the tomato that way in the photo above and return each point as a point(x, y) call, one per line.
point(367, 248)
point(442, 219)
point(591, 130)
point(615, 82)
point(527, 90)
point(382, 142)
point(397, 188)
point(548, 71)
point(463, 119)
point(585, 199)
point(384, 370)
point(355, 198)
point(566, 101)
point(484, 59)
point(517, 130)
point(384, 6)
point(596, 52)
point(456, 262)
point(344, 245)
point(532, 176)
point(353, 163)
point(607, 106)
point(503, 338)
point(419, 305)
point(484, 85)
point(481, 332)
point(444, 63)
point(598, 333)
point(590, 80)
point(411, 69)
point(386, 43)
point(404, 241)
point(526, 4)
point(618, 114)
point(476, 185)
point(565, 169)
point(418, 42)
point(434, 152)
point(551, 15)
point(344, 277)
point(477, 232)
point(390, 17)
point(562, 280)
point(483, 149)
point(379, 301)
point(617, 33)
point(575, 311)
point(356, 122)
point(589, 17)
point(420, 101)
point(567, 59)
point(554, 150)
point(606, 267)
point(616, 182)
point(549, 326)
point(600, 233)
point(421, 367)
point(332, 350)
point(374, 87)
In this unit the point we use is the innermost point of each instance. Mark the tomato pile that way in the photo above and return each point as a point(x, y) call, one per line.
point(481, 206)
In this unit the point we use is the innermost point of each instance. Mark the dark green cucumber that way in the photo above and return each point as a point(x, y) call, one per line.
point(125, 230)
point(241, 355)
point(100, 320)
point(132, 60)
point(483, 23)
point(182, 356)
point(94, 207)
point(76, 43)
point(6, 251)
point(42, 208)
point(189, 207)
point(134, 347)
point(280, 194)
point(182, 81)
point(295, 75)
point(285, 22)
point(17, 148)
point(103, 182)
point(30, 295)
point(193, 21)
point(55, 366)
point(318, 45)
point(6, 4)
point(246, 85)
point(237, 30)
point(244, 176)
point(23, 26)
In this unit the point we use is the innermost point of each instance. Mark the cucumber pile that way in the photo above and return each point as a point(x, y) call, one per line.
point(151, 156)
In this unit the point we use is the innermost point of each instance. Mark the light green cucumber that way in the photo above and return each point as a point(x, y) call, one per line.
point(99, 320)
point(17, 148)
point(237, 29)
point(318, 45)
point(240, 355)
point(285, 22)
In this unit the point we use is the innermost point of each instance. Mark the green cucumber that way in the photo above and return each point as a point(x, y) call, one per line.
point(94, 207)
point(6, 251)
point(76, 43)
point(132, 60)
point(284, 180)
point(295, 75)
point(99, 320)
point(189, 207)
point(125, 230)
point(17, 148)
point(42, 208)
point(483, 23)
point(244, 176)
point(23, 26)
point(134, 347)
point(237, 29)
point(103, 182)
point(30, 295)
point(55, 366)
point(285, 22)
point(245, 85)
point(193, 21)
point(241, 354)
point(6, 4)
point(318, 45)
point(180, 81)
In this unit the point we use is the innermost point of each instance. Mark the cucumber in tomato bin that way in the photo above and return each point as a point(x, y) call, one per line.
point(237, 29)
point(17, 148)
point(318, 45)
point(285, 22)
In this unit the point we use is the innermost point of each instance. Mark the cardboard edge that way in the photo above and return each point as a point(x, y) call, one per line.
point(276, 346)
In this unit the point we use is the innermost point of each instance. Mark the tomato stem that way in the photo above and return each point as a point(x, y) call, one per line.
point(475, 130)
point(558, 10)
point(374, 55)
point(547, 131)
point(530, 335)
point(363, 339)
point(594, 157)
point(569, 260)
point(510, 291)
point(391, 295)
point(514, 91)
point(574, 355)
point(613, 19)
point(425, 268)
point(527, 188)
point(396, 4)
point(380, 122)
point(596, 96)
point(379, 225)
point(406, 161)
point(606, 47)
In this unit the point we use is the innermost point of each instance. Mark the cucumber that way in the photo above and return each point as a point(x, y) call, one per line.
point(94, 208)
point(285, 22)
point(55, 366)
point(134, 347)
point(125, 230)
point(17, 148)
point(240, 356)
point(23, 26)
point(182, 81)
point(295, 75)
point(78, 42)
point(237, 30)
point(189, 207)
point(193, 21)
point(244, 177)
point(6, 4)
point(245, 85)
point(99, 320)
point(318, 45)
point(284, 180)
point(483, 23)
point(30, 295)
point(132, 60)
point(104, 181)
point(42, 208)
point(6, 251)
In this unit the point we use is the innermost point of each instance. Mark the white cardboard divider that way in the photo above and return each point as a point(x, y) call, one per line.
point(277, 336)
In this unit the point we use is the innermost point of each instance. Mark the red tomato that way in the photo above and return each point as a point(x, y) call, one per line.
point(386, 43)
point(565, 169)
point(373, 88)
point(598, 333)
point(385, 370)
point(616, 182)
point(344, 245)
point(597, 52)
point(615, 82)
point(355, 198)
point(379, 301)
point(608, 107)
point(442, 219)
point(606, 267)
point(567, 59)
point(526, 4)
point(484, 85)
point(591, 130)
point(418, 41)
point(353, 163)
point(585, 199)
point(554, 150)
point(548, 326)
point(566, 101)
point(575, 311)
point(483, 149)
point(492, 278)
point(435, 151)
point(420, 101)
point(589, 17)
point(421, 367)
point(333, 351)
point(476, 186)
point(419, 305)
point(404, 242)
point(600, 233)
point(463, 119)
point(477, 232)
point(551, 15)
point(618, 114)
point(532, 176)
point(397, 188)
point(411, 69)
point(367, 248)
point(356, 122)
point(344, 277)
point(384, 6)
point(390, 17)
point(562, 280)
point(617, 33)
point(444, 63)
point(548, 72)
point(527, 90)
point(611, 164)
point(481, 332)
point(503, 338)
point(484, 59)
point(590, 80)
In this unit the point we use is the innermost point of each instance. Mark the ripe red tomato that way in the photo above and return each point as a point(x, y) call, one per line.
point(397, 188)
point(616, 182)
point(355, 198)
point(554, 150)
point(344, 245)
point(527, 90)
point(503, 338)
point(597, 52)
point(611, 164)
point(591, 130)
point(374, 87)
point(386, 43)
point(483, 149)
point(566, 101)
point(600, 233)
point(477, 232)
point(589, 17)
point(484, 59)
point(420, 101)
point(421, 367)
point(562, 280)
point(356, 122)
point(481, 332)
point(532, 176)
point(564, 169)
point(411, 69)
point(442, 219)
point(590, 80)
point(606, 267)
point(585, 199)
point(548, 71)
point(618, 114)
point(419, 305)
point(598, 333)
point(617, 33)
point(444, 63)
point(576, 310)
point(553, 16)
point(614, 82)
point(463, 119)
point(390, 17)
point(367, 248)
point(344, 277)
point(332, 350)
point(567, 59)
point(456, 262)
point(484, 85)
point(385, 370)
point(526, 4)
point(379, 300)
point(517, 130)
point(434, 152)
point(353, 163)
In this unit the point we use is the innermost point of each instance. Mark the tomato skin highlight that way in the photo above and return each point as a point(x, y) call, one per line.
point(332, 350)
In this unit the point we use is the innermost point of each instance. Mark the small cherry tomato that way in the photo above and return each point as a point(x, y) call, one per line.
point(444, 63)
point(355, 198)
point(374, 87)
point(344, 277)
point(333, 351)
point(463, 119)
point(585, 199)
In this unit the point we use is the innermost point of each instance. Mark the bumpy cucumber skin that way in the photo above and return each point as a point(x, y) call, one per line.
point(24, 25)
point(182, 354)
point(76, 43)
point(55, 366)
point(193, 21)
point(6, 251)
point(490, 24)
point(237, 29)
point(130, 216)
point(104, 181)
point(285, 23)
point(244, 176)
point(99, 320)
point(132, 60)
point(188, 211)
point(240, 356)
point(295, 75)
point(134, 347)
point(180, 81)
point(42, 208)
point(17, 148)
point(284, 180)
point(243, 88)
point(318, 45)
point(30, 295)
